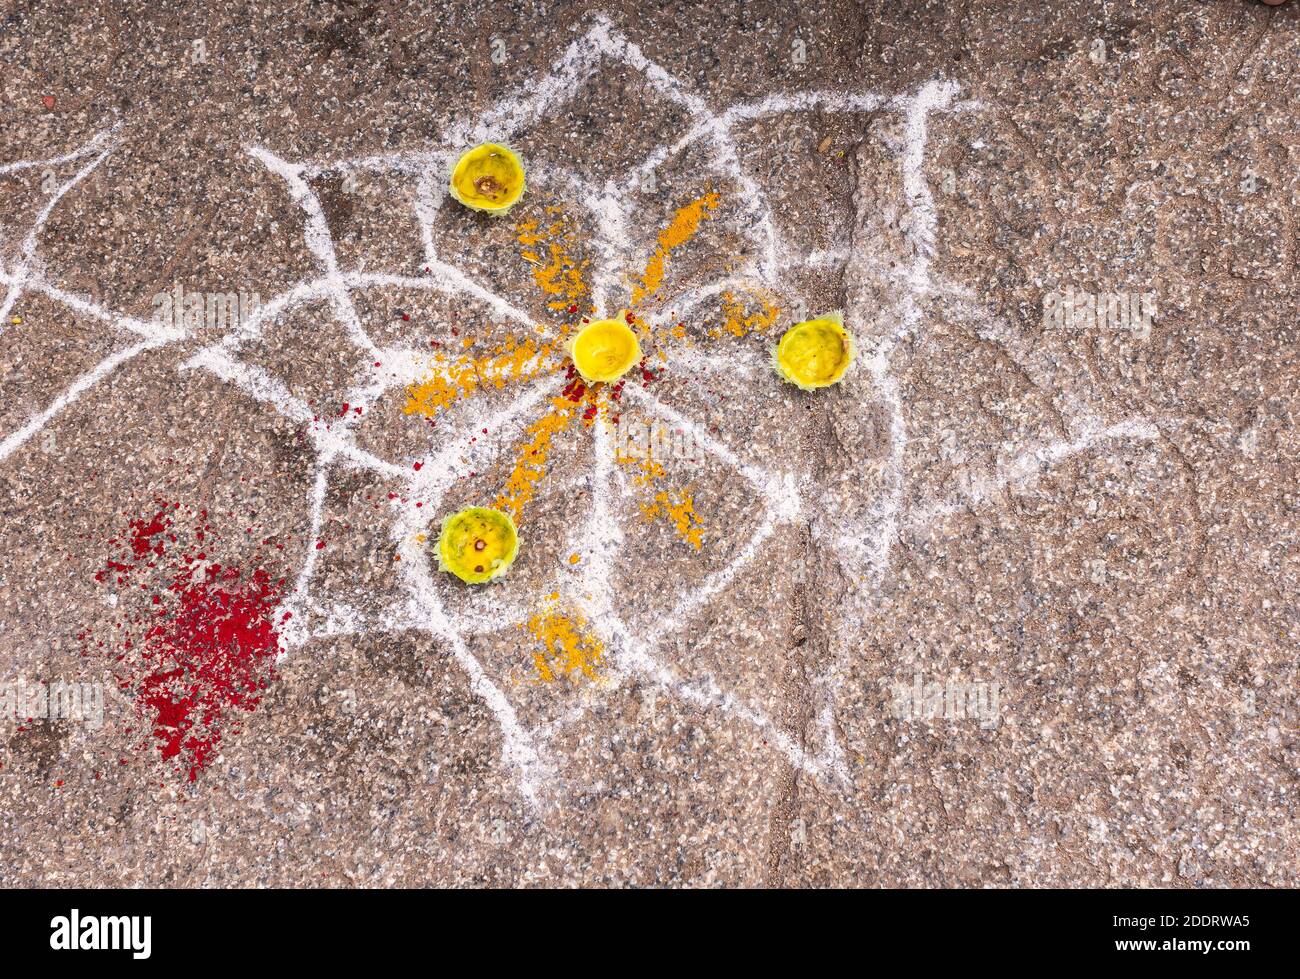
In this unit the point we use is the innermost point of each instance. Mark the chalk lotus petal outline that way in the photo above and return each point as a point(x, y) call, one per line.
point(868, 544)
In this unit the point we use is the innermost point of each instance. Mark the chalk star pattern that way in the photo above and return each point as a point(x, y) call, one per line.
point(787, 499)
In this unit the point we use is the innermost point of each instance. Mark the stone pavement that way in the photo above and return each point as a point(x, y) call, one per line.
point(1014, 604)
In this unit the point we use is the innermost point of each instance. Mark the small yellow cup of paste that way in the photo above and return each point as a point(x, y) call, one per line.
point(815, 353)
point(489, 178)
point(477, 544)
point(605, 350)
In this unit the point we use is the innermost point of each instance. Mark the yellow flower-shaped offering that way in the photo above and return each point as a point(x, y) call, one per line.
point(488, 178)
point(477, 544)
point(605, 350)
point(815, 353)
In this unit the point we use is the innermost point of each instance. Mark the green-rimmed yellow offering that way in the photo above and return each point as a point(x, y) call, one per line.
point(605, 350)
point(815, 353)
point(489, 178)
point(477, 544)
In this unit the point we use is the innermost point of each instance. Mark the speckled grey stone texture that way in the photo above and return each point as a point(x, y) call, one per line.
point(1100, 523)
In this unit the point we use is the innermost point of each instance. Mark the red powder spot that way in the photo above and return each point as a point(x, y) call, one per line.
point(199, 647)
point(216, 653)
point(419, 466)
point(142, 534)
point(320, 545)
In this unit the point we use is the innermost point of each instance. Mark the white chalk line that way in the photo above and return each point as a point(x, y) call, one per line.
point(1027, 467)
point(431, 483)
point(97, 142)
point(74, 391)
point(875, 544)
point(782, 505)
point(1079, 418)
point(24, 278)
point(873, 547)
point(18, 278)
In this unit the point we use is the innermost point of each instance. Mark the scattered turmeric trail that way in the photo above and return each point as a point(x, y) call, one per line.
point(450, 381)
point(645, 470)
point(531, 456)
point(685, 223)
point(680, 513)
point(549, 246)
point(567, 646)
point(740, 322)
point(677, 509)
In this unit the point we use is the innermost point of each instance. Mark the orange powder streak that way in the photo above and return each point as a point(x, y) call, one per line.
point(680, 513)
point(649, 469)
point(448, 383)
point(682, 228)
point(530, 456)
point(548, 249)
point(739, 322)
point(567, 646)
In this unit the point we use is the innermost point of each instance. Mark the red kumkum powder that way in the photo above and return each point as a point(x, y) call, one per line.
point(208, 643)
point(214, 653)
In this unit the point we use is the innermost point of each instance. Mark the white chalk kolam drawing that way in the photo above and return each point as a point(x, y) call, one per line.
point(786, 498)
